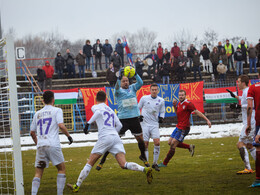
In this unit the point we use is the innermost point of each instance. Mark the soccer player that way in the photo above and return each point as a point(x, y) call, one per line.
point(45, 134)
point(128, 113)
point(153, 111)
point(253, 96)
point(183, 110)
point(245, 141)
point(108, 140)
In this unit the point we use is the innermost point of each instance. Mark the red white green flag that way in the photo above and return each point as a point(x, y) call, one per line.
point(66, 96)
point(220, 95)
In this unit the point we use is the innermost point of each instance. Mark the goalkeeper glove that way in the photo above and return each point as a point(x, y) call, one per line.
point(231, 93)
point(160, 119)
point(86, 129)
point(121, 72)
point(141, 118)
point(70, 140)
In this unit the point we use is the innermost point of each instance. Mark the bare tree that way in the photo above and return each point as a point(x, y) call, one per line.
point(210, 38)
point(183, 38)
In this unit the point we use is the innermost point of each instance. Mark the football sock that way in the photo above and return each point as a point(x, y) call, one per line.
point(83, 174)
point(257, 165)
point(169, 156)
point(146, 154)
point(245, 157)
point(104, 157)
point(133, 166)
point(61, 180)
point(141, 146)
point(253, 152)
point(35, 185)
point(156, 153)
point(183, 145)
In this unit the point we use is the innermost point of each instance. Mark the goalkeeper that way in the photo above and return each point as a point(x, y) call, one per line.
point(128, 112)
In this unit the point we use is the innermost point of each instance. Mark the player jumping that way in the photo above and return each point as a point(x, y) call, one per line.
point(245, 141)
point(183, 110)
point(45, 134)
point(108, 140)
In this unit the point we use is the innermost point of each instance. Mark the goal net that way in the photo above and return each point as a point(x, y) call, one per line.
point(11, 177)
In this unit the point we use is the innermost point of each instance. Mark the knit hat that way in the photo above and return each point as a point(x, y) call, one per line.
point(220, 61)
point(47, 62)
point(118, 39)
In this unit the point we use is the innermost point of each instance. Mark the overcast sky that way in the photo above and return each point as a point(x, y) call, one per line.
point(92, 19)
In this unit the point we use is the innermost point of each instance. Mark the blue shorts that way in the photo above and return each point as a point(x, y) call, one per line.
point(179, 134)
point(256, 131)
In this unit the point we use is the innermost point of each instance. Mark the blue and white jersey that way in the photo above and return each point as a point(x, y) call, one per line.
point(126, 99)
point(45, 123)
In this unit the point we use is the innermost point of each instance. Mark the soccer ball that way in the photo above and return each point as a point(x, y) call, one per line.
point(129, 71)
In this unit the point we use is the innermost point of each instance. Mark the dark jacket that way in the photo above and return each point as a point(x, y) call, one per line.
point(165, 70)
point(80, 59)
point(252, 53)
point(107, 50)
point(139, 68)
point(190, 52)
point(59, 63)
point(205, 53)
point(167, 56)
point(220, 47)
point(120, 49)
point(111, 74)
point(196, 60)
point(153, 57)
point(117, 61)
point(243, 48)
point(157, 78)
point(224, 58)
point(41, 75)
point(238, 56)
point(214, 57)
point(87, 50)
point(97, 49)
point(69, 58)
point(258, 48)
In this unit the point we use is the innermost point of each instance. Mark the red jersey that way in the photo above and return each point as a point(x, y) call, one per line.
point(254, 93)
point(184, 110)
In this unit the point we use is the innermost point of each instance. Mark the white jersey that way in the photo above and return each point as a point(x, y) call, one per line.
point(151, 109)
point(106, 119)
point(244, 108)
point(45, 123)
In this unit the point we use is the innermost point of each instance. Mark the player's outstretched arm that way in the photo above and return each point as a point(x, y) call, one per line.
point(139, 82)
point(201, 115)
point(64, 130)
point(249, 114)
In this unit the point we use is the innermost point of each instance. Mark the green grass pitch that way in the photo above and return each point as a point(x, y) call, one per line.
point(212, 170)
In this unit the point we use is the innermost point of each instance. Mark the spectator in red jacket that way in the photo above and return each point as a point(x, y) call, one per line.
point(49, 74)
point(160, 55)
point(175, 51)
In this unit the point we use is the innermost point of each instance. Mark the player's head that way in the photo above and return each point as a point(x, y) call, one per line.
point(182, 95)
point(101, 96)
point(242, 81)
point(125, 82)
point(154, 89)
point(48, 97)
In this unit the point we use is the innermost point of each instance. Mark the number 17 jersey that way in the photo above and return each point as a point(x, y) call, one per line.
point(45, 123)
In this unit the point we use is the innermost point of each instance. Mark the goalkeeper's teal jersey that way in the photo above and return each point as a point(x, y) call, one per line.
point(126, 99)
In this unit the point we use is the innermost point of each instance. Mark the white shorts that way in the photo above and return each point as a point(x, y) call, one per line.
point(150, 131)
point(247, 139)
point(110, 143)
point(45, 154)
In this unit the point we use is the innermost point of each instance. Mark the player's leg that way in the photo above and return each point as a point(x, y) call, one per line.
point(252, 150)
point(190, 147)
point(156, 153)
point(61, 178)
point(257, 161)
point(102, 161)
point(141, 146)
point(146, 136)
point(170, 153)
point(245, 157)
point(37, 180)
point(146, 143)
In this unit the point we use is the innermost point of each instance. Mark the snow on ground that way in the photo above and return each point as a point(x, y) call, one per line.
point(82, 140)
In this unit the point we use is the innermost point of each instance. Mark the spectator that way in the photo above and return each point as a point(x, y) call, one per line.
point(223, 56)
point(165, 71)
point(190, 53)
point(229, 51)
point(166, 55)
point(139, 67)
point(111, 75)
point(222, 70)
point(160, 55)
point(59, 65)
point(155, 58)
point(120, 50)
point(220, 46)
point(258, 51)
point(97, 53)
point(252, 53)
point(238, 56)
point(49, 71)
point(196, 65)
point(41, 78)
point(69, 59)
point(87, 50)
point(175, 53)
point(157, 77)
point(181, 68)
point(214, 58)
point(80, 59)
point(243, 49)
point(117, 60)
point(207, 67)
point(107, 51)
